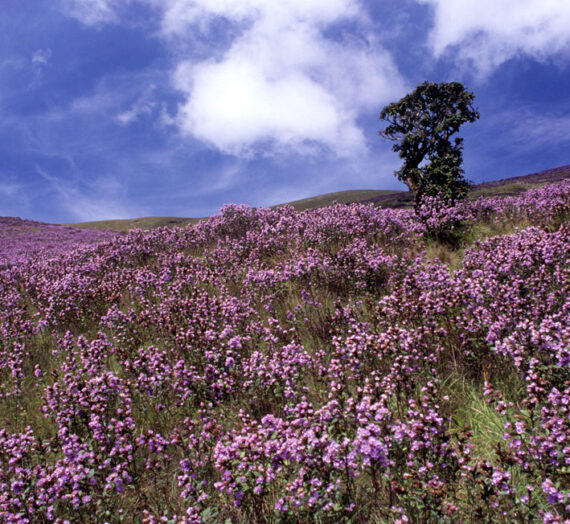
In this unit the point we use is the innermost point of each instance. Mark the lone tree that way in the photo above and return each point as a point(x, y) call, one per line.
point(422, 124)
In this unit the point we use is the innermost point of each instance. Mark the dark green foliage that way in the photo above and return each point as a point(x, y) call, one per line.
point(422, 123)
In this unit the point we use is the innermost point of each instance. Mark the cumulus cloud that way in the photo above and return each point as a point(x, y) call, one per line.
point(282, 82)
point(280, 75)
point(487, 33)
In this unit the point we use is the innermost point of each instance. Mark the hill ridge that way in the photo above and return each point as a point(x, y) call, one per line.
point(510, 186)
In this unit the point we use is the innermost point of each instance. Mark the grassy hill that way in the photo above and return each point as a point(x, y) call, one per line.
point(132, 223)
point(340, 197)
point(513, 186)
point(384, 198)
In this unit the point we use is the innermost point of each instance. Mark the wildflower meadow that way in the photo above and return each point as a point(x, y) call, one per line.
point(344, 364)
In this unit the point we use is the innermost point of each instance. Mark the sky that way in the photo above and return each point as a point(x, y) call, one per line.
point(129, 108)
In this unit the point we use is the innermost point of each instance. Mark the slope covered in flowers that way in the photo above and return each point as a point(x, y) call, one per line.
point(274, 366)
point(25, 239)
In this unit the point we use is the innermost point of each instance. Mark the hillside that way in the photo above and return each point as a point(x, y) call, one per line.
point(132, 223)
point(21, 239)
point(384, 198)
point(505, 187)
point(340, 197)
point(271, 366)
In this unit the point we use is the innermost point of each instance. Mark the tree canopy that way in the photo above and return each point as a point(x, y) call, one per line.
point(422, 123)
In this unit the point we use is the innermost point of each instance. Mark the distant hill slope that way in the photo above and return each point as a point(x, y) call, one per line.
point(132, 223)
point(341, 197)
point(23, 239)
point(505, 187)
point(385, 198)
point(519, 184)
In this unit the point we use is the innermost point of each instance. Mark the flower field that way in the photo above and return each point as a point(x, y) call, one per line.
point(21, 240)
point(344, 364)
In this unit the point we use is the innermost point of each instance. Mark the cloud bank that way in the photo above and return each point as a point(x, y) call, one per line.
point(487, 33)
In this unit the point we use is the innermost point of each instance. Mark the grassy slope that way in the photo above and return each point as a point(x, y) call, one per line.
point(342, 197)
point(132, 223)
point(384, 198)
point(506, 187)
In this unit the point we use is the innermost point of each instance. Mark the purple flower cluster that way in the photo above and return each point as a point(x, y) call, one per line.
point(442, 219)
point(267, 366)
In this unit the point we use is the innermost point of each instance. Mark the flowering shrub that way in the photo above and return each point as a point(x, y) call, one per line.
point(445, 222)
point(273, 366)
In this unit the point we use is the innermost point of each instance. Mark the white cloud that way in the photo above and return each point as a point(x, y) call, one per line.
point(274, 77)
point(122, 98)
point(233, 105)
point(181, 13)
point(281, 82)
point(144, 105)
point(92, 12)
point(487, 33)
point(41, 56)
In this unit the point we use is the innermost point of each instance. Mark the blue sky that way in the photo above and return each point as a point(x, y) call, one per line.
point(126, 108)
